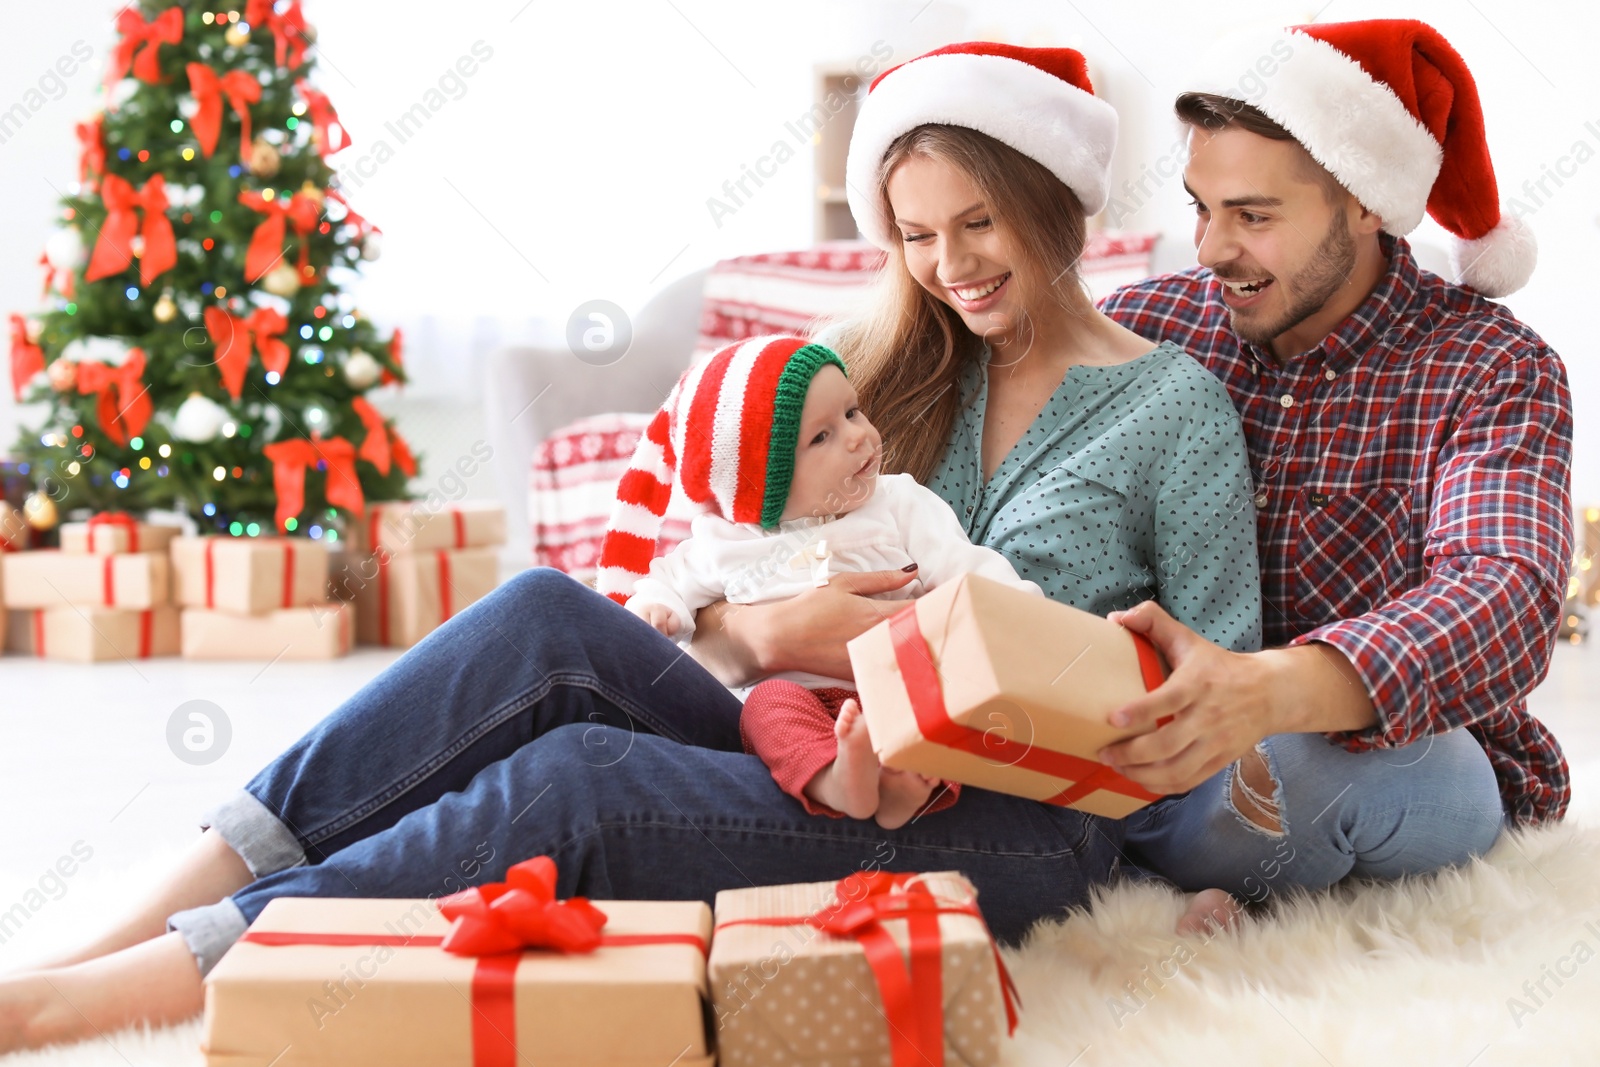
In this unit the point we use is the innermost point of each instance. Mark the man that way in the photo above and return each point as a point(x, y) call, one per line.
point(1410, 444)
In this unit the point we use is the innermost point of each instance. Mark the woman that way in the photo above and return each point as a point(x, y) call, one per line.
point(546, 719)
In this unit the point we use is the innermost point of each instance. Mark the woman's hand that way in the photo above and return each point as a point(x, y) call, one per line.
point(742, 642)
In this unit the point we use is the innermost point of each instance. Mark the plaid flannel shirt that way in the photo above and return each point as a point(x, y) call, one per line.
point(1412, 496)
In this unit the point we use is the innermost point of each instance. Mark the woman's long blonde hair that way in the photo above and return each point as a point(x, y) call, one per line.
point(907, 351)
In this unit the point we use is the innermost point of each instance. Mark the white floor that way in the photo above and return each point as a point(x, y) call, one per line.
point(86, 764)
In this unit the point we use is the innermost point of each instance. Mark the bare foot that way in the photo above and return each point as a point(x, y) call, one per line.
point(154, 982)
point(1210, 910)
point(850, 783)
point(901, 795)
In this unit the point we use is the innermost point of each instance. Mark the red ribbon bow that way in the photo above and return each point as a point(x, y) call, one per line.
point(351, 216)
point(521, 912)
point(232, 336)
point(27, 358)
point(241, 89)
point(114, 249)
point(289, 462)
point(114, 518)
point(288, 29)
point(145, 39)
point(323, 118)
point(382, 444)
point(395, 348)
point(266, 244)
point(92, 151)
point(124, 406)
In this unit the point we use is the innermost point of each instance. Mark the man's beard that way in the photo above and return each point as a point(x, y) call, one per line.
point(1312, 286)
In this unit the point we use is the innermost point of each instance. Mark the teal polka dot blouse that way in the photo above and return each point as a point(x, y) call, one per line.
point(1132, 484)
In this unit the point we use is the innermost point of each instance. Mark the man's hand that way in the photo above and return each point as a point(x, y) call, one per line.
point(1224, 702)
point(739, 643)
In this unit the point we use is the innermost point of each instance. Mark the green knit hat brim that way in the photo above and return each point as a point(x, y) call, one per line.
point(793, 385)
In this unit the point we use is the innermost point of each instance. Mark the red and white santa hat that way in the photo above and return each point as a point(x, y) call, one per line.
point(1037, 100)
point(1391, 110)
point(727, 432)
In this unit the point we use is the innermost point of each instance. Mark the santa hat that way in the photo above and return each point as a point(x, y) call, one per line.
point(1391, 111)
point(728, 431)
point(1037, 100)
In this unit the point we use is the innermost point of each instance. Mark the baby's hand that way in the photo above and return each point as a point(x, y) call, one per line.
point(658, 615)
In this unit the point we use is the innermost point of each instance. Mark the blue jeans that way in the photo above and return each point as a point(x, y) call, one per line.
point(547, 720)
point(1377, 814)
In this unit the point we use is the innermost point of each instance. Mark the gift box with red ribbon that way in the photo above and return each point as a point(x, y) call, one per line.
point(88, 634)
point(414, 527)
point(48, 578)
point(250, 575)
point(401, 598)
point(982, 684)
point(111, 532)
point(319, 631)
point(894, 969)
point(497, 976)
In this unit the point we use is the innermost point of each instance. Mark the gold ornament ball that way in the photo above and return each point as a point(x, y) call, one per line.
point(282, 280)
point(34, 328)
point(310, 191)
point(264, 159)
point(237, 35)
point(63, 375)
point(40, 511)
point(166, 309)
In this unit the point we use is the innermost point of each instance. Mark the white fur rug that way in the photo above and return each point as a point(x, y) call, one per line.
point(1488, 965)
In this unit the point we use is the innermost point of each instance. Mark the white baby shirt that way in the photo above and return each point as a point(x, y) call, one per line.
point(901, 523)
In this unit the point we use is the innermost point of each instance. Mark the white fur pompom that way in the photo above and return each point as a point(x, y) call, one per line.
point(1498, 263)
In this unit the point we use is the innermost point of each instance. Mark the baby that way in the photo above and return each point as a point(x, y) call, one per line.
point(768, 437)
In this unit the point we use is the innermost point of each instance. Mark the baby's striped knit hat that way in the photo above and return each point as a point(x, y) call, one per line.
point(728, 432)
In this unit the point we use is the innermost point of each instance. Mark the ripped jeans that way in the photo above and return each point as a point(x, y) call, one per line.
point(1377, 814)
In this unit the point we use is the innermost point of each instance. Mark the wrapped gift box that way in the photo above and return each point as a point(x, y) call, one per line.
point(412, 526)
point(112, 533)
point(986, 685)
point(48, 578)
point(785, 991)
point(409, 595)
point(317, 631)
point(93, 635)
point(415, 1005)
point(249, 575)
point(14, 535)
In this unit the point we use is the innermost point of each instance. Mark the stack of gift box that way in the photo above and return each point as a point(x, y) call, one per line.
point(413, 566)
point(876, 968)
point(258, 598)
point(105, 594)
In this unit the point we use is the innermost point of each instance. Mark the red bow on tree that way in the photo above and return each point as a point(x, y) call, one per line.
point(92, 153)
point(288, 28)
point(145, 38)
point(124, 405)
point(289, 462)
point(382, 445)
point(232, 336)
point(266, 244)
point(323, 117)
point(241, 89)
point(395, 348)
point(27, 358)
point(351, 216)
point(521, 912)
point(114, 249)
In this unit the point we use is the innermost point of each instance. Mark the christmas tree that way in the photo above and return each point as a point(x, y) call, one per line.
point(197, 352)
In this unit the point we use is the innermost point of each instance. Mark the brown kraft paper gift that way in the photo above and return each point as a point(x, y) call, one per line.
point(1015, 691)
